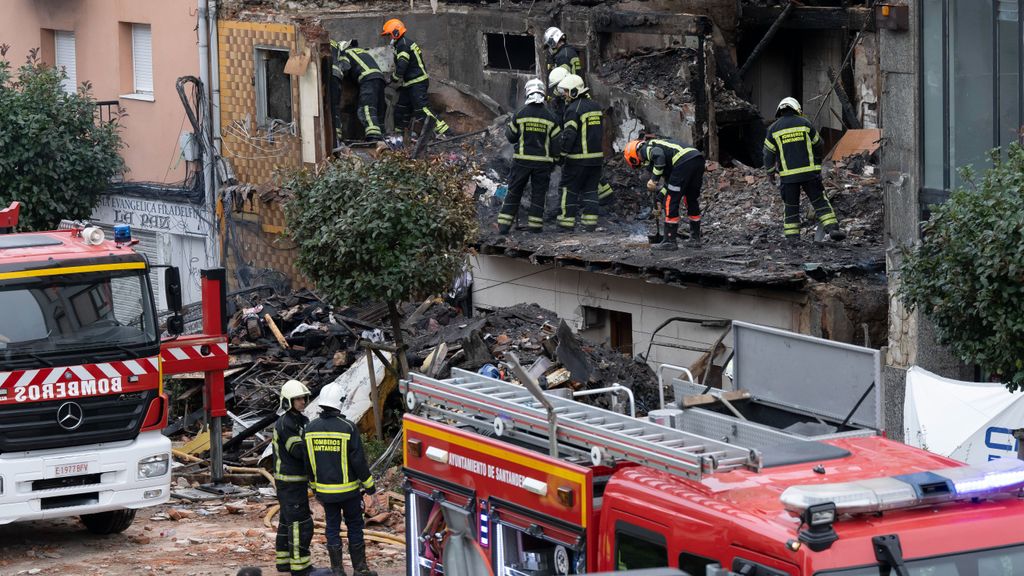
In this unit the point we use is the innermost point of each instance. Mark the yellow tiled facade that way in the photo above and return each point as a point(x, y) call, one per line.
point(254, 234)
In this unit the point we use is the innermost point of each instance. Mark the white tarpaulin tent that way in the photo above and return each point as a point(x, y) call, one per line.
point(967, 421)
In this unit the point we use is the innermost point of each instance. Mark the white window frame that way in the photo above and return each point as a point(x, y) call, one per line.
point(70, 85)
point(142, 63)
point(262, 118)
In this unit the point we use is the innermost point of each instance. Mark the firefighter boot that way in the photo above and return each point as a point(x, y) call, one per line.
point(504, 229)
point(835, 232)
point(694, 234)
point(359, 567)
point(335, 554)
point(669, 243)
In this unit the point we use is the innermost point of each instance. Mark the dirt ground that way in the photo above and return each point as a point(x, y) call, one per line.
point(214, 540)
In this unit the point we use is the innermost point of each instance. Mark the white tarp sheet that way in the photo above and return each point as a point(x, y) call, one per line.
point(967, 421)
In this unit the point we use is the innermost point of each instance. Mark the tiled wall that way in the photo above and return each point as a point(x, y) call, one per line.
point(255, 232)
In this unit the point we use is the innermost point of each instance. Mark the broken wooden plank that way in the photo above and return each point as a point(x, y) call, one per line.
point(705, 399)
point(276, 331)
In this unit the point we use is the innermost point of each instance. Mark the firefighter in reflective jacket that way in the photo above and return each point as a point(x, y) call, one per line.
point(533, 130)
point(583, 153)
point(295, 523)
point(791, 146)
point(339, 475)
point(557, 105)
point(358, 65)
point(560, 54)
point(410, 78)
point(682, 167)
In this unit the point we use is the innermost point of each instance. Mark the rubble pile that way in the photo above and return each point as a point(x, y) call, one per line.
point(661, 73)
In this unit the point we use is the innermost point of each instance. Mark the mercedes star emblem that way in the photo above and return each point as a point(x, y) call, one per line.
point(70, 415)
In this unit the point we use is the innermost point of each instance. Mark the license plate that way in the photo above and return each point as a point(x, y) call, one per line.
point(70, 469)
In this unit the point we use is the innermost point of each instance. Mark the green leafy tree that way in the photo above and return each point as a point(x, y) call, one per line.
point(388, 230)
point(55, 157)
point(967, 275)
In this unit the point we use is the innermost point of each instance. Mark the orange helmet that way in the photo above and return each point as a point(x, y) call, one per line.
point(632, 153)
point(393, 28)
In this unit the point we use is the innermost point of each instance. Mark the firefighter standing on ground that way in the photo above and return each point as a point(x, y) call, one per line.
point(339, 475)
point(358, 65)
point(533, 130)
point(583, 153)
point(682, 167)
point(794, 144)
point(295, 522)
point(557, 104)
point(411, 79)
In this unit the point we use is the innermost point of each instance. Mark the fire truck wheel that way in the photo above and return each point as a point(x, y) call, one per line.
point(410, 401)
point(108, 522)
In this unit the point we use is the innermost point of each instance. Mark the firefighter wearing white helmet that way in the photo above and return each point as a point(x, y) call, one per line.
point(560, 54)
point(793, 147)
point(339, 475)
point(534, 130)
point(582, 149)
point(295, 523)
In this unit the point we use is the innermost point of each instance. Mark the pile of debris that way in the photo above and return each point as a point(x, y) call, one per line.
point(663, 74)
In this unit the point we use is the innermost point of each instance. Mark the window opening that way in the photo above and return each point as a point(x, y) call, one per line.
point(511, 52)
point(273, 87)
point(142, 58)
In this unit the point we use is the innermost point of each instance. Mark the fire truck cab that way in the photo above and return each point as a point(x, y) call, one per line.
point(777, 477)
point(82, 404)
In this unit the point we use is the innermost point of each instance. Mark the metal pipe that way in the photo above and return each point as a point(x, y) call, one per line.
point(616, 388)
point(661, 381)
point(212, 248)
point(215, 74)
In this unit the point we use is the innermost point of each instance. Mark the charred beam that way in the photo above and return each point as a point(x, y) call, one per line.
point(608, 20)
point(767, 38)
point(809, 18)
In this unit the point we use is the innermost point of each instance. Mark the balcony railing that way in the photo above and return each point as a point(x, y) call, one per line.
point(108, 111)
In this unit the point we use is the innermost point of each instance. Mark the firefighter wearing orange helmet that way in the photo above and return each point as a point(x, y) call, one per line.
point(682, 167)
point(411, 78)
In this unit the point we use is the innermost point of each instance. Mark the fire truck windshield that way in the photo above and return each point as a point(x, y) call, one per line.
point(50, 317)
point(994, 562)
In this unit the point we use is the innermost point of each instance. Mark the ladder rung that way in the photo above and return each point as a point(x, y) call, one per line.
point(575, 415)
point(612, 426)
point(674, 443)
point(632, 431)
point(594, 421)
point(504, 395)
point(652, 438)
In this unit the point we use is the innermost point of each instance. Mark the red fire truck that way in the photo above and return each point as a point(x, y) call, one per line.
point(766, 479)
point(82, 404)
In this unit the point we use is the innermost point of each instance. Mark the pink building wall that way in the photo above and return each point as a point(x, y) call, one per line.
point(103, 47)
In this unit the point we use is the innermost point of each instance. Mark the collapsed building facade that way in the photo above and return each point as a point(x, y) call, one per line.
point(708, 72)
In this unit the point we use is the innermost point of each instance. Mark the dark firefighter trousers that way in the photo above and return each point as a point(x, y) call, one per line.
point(351, 509)
point(579, 181)
point(372, 108)
point(412, 100)
point(538, 176)
point(294, 528)
point(815, 191)
point(684, 184)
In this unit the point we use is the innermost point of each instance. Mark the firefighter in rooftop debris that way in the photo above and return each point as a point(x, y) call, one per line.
point(411, 80)
point(295, 522)
point(557, 104)
point(582, 145)
point(793, 147)
point(560, 54)
point(533, 129)
point(682, 167)
point(358, 65)
point(340, 475)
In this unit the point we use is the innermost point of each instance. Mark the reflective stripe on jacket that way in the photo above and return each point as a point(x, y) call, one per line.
point(337, 464)
point(583, 132)
point(289, 452)
point(663, 153)
point(532, 129)
point(793, 143)
point(409, 68)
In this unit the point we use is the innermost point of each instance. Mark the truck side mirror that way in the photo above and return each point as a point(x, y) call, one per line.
point(172, 288)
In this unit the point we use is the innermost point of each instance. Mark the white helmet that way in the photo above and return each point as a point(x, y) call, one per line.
point(291, 390)
point(556, 76)
point(552, 36)
point(331, 396)
point(789, 102)
point(535, 92)
point(573, 86)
